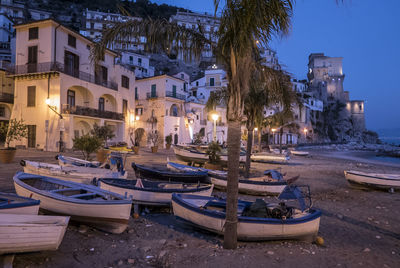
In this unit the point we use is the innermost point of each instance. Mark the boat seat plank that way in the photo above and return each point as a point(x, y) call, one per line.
point(82, 195)
point(65, 189)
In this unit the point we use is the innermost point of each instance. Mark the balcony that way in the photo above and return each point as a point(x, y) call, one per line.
point(203, 122)
point(175, 95)
point(150, 95)
point(215, 84)
point(59, 67)
point(86, 111)
point(6, 97)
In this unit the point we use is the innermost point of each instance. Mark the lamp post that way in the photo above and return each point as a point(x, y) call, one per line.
point(133, 121)
point(215, 117)
point(273, 135)
point(305, 130)
point(254, 134)
point(54, 109)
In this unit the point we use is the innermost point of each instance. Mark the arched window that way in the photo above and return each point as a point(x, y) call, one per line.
point(101, 104)
point(174, 111)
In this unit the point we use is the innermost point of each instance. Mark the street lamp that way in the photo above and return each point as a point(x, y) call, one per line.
point(133, 120)
point(215, 117)
point(54, 109)
point(305, 130)
point(273, 135)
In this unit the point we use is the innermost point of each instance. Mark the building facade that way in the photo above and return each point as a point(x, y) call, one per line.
point(60, 93)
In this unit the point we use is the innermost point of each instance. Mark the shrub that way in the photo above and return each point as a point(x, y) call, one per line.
point(168, 139)
point(14, 130)
point(212, 152)
point(87, 144)
point(153, 138)
point(104, 133)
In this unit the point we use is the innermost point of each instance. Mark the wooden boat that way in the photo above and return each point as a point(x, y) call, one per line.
point(264, 185)
point(299, 153)
point(28, 233)
point(157, 193)
point(165, 175)
point(84, 203)
point(276, 222)
point(70, 173)
point(193, 155)
point(270, 157)
point(373, 180)
point(72, 161)
point(15, 204)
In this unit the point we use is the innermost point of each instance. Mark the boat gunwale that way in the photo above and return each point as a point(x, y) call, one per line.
point(170, 173)
point(159, 190)
point(356, 173)
point(177, 198)
point(18, 180)
point(29, 202)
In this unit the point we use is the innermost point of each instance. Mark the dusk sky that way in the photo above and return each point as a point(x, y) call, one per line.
point(364, 32)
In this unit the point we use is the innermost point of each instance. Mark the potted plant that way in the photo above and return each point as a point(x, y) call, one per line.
point(214, 160)
point(138, 138)
point(13, 131)
point(152, 137)
point(87, 144)
point(104, 133)
point(168, 140)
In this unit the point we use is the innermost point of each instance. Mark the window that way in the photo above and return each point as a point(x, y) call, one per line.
point(197, 83)
point(33, 33)
point(139, 111)
point(101, 104)
point(31, 96)
point(131, 59)
point(153, 91)
point(195, 93)
point(182, 76)
point(139, 61)
point(92, 25)
point(136, 94)
point(71, 98)
point(71, 63)
point(174, 110)
point(125, 81)
point(211, 82)
point(32, 59)
point(71, 41)
point(174, 91)
point(124, 107)
point(100, 75)
point(2, 111)
point(360, 107)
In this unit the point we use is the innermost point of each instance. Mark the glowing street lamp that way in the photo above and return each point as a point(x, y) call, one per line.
point(273, 135)
point(215, 117)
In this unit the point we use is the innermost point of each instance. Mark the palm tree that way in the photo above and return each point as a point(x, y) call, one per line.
point(244, 25)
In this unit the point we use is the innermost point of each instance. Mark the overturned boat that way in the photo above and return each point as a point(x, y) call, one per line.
point(166, 175)
point(194, 155)
point(156, 193)
point(84, 203)
point(70, 173)
point(299, 153)
point(15, 204)
point(29, 233)
point(373, 180)
point(270, 157)
point(256, 220)
point(73, 161)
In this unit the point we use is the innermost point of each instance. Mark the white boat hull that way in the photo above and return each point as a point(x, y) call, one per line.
point(249, 188)
point(69, 173)
point(299, 153)
point(187, 156)
point(251, 230)
point(373, 180)
point(263, 157)
point(30, 210)
point(29, 233)
point(110, 218)
point(147, 197)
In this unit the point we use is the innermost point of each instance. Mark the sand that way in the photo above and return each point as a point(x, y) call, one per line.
point(360, 228)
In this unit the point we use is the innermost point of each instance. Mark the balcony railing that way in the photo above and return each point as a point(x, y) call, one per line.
point(86, 111)
point(6, 97)
point(175, 95)
point(59, 67)
point(203, 122)
point(215, 84)
point(150, 95)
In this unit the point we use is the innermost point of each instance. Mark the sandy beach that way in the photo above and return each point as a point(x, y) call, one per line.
point(360, 228)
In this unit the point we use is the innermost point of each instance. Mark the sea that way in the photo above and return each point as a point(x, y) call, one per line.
point(390, 135)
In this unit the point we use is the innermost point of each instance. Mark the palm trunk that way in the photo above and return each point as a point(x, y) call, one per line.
point(230, 233)
point(280, 140)
point(248, 151)
point(259, 140)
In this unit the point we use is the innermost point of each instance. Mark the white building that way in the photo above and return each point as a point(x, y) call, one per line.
point(209, 24)
point(60, 94)
point(139, 63)
point(97, 21)
point(6, 34)
point(18, 11)
point(213, 79)
point(270, 58)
